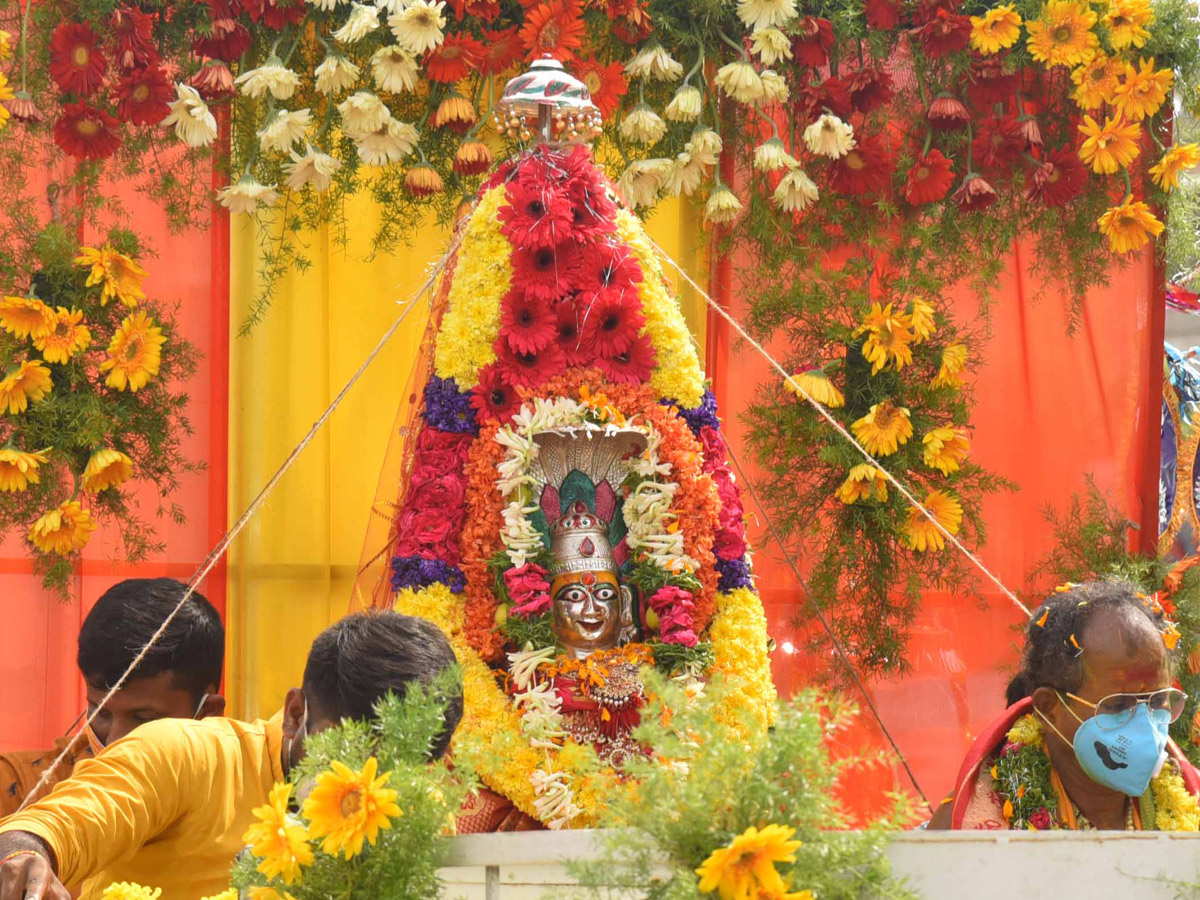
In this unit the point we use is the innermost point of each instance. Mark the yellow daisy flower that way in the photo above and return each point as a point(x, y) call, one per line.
point(231, 894)
point(884, 430)
point(128, 890)
point(1126, 21)
point(889, 338)
point(134, 353)
point(346, 807)
point(277, 840)
point(1096, 81)
point(1177, 159)
point(1111, 146)
point(5, 44)
point(107, 468)
point(1129, 226)
point(68, 337)
point(263, 893)
point(6, 93)
point(1062, 35)
point(19, 469)
point(995, 30)
point(954, 360)
point(29, 382)
point(26, 317)
point(920, 534)
point(1143, 91)
point(945, 448)
point(865, 482)
point(119, 274)
point(921, 316)
point(63, 530)
point(747, 866)
point(817, 385)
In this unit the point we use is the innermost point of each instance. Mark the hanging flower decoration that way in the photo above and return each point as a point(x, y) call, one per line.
point(113, 369)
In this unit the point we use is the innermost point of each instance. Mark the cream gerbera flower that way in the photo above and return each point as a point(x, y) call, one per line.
point(722, 207)
point(418, 27)
point(795, 192)
point(829, 136)
point(685, 176)
point(394, 70)
point(363, 113)
point(391, 143)
point(865, 482)
point(883, 430)
point(107, 468)
point(686, 105)
point(922, 535)
point(640, 183)
point(945, 449)
point(247, 195)
point(740, 81)
point(285, 130)
point(643, 125)
point(272, 77)
point(193, 121)
point(361, 22)
point(19, 469)
point(336, 74)
point(771, 46)
point(771, 156)
point(654, 64)
point(705, 145)
point(312, 167)
point(775, 89)
point(68, 336)
point(759, 14)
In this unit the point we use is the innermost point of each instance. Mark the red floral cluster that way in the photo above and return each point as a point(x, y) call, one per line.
point(574, 300)
point(676, 610)
point(528, 590)
point(435, 506)
point(730, 543)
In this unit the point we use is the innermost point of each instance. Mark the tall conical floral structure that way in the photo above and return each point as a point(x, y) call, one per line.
point(568, 514)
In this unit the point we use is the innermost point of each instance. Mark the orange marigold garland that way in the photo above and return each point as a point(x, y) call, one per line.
point(480, 542)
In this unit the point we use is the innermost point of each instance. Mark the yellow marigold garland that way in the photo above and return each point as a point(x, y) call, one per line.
point(481, 279)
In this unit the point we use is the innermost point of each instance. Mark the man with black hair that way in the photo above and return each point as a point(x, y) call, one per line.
point(167, 806)
point(179, 678)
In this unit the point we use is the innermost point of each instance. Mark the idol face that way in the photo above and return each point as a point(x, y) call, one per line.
point(587, 612)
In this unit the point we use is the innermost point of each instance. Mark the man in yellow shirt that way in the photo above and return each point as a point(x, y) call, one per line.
point(167, 806)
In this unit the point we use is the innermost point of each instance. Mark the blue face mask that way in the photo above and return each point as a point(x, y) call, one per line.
point(1122, 757)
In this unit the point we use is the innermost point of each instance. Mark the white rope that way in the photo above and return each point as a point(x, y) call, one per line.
point(219, 550)
point(825, 414)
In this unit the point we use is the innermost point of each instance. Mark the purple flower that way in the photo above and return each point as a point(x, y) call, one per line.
point(447, 408)
point(417, 572)
point(703, 415)
point(735, 573)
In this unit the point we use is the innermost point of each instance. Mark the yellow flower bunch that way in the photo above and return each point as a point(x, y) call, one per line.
point(746, 868)
point(277, 840)
point(1175, 807)
point(739, 643)
point(128, 890)
point(231, 894)
point(677, 371)
point(481, 278)
point(347, 808)
point(1026, 730)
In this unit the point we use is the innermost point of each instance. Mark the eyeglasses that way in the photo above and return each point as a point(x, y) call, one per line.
point(1115, 710)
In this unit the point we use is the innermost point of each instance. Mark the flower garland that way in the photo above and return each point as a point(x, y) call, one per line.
point(1021, 775)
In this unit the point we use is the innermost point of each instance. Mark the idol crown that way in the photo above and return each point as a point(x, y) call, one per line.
point(579, 543)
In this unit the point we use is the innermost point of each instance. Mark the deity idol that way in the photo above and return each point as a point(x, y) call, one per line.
point(567, 512)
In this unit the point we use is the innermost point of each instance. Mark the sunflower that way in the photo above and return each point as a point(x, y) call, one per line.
point(346, 807)
point(1177, 159)
point(1111, 146)
point(954, 360)
point(63, 530)
point(68, 337)
point(995, 30)
point(26, 317)
point(884, 430)
point(1063, 35)
point(1096, 81)
point(19, 469)
point(920, 534)
point(134, 353)
point(1143, 90)
point(890, 338)
point(119, 274)
point(30, 381)
point(945, 448)
point(747, 866)
point(1126, 21)
point(107, 468)
point(1129, 225)
point(865, 482)
point(816, 384)
point(277, 840)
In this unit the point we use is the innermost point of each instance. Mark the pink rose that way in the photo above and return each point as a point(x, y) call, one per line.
point(429, 533)
point(666, 597)
point(1041, 820)
point(674, 607)
point(440, 453)
point(535, 605)
point(714, 447)
point(528, 590)
point(729, 545)
point(732, 518)
point(727, 489)
point(446, 493)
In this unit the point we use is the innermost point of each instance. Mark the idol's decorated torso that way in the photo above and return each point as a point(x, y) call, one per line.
point(569, 515)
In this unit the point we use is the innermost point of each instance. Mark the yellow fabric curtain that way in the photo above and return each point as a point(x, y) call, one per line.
point(291, 571)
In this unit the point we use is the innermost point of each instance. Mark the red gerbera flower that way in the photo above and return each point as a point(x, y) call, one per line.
point(883, 14)
point(554, 27)
point(944, 33)
point(227, 42)
point(929, 179)
point(633, 27)
point(132, 32)
point(536, 216)
point(592, 209)
point(454, 59)
point(143, 95)
point(224, 9)
point(494, 399)
point(529, 369)
point(606, 267)
point(864, 170)
point(634, 366)
point(974, 194)
point(501, 50)
point(813, 99)
point(989, 83)
point(526, 323)
point(812, 41)
point(611, 322)
point(998, 144)
point(276, 13)
point(85, 132)
point(484, 10)
point(927, 10)
point(545, 273)
point(1060, 178)
point(213, 81)
point(606, 83)
point(612, 8)
point(870, 89)
point(570, 339)
point(76, 63)
point(947, 113)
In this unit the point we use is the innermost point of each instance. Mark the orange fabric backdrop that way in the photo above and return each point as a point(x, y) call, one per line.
point(1051, 408)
